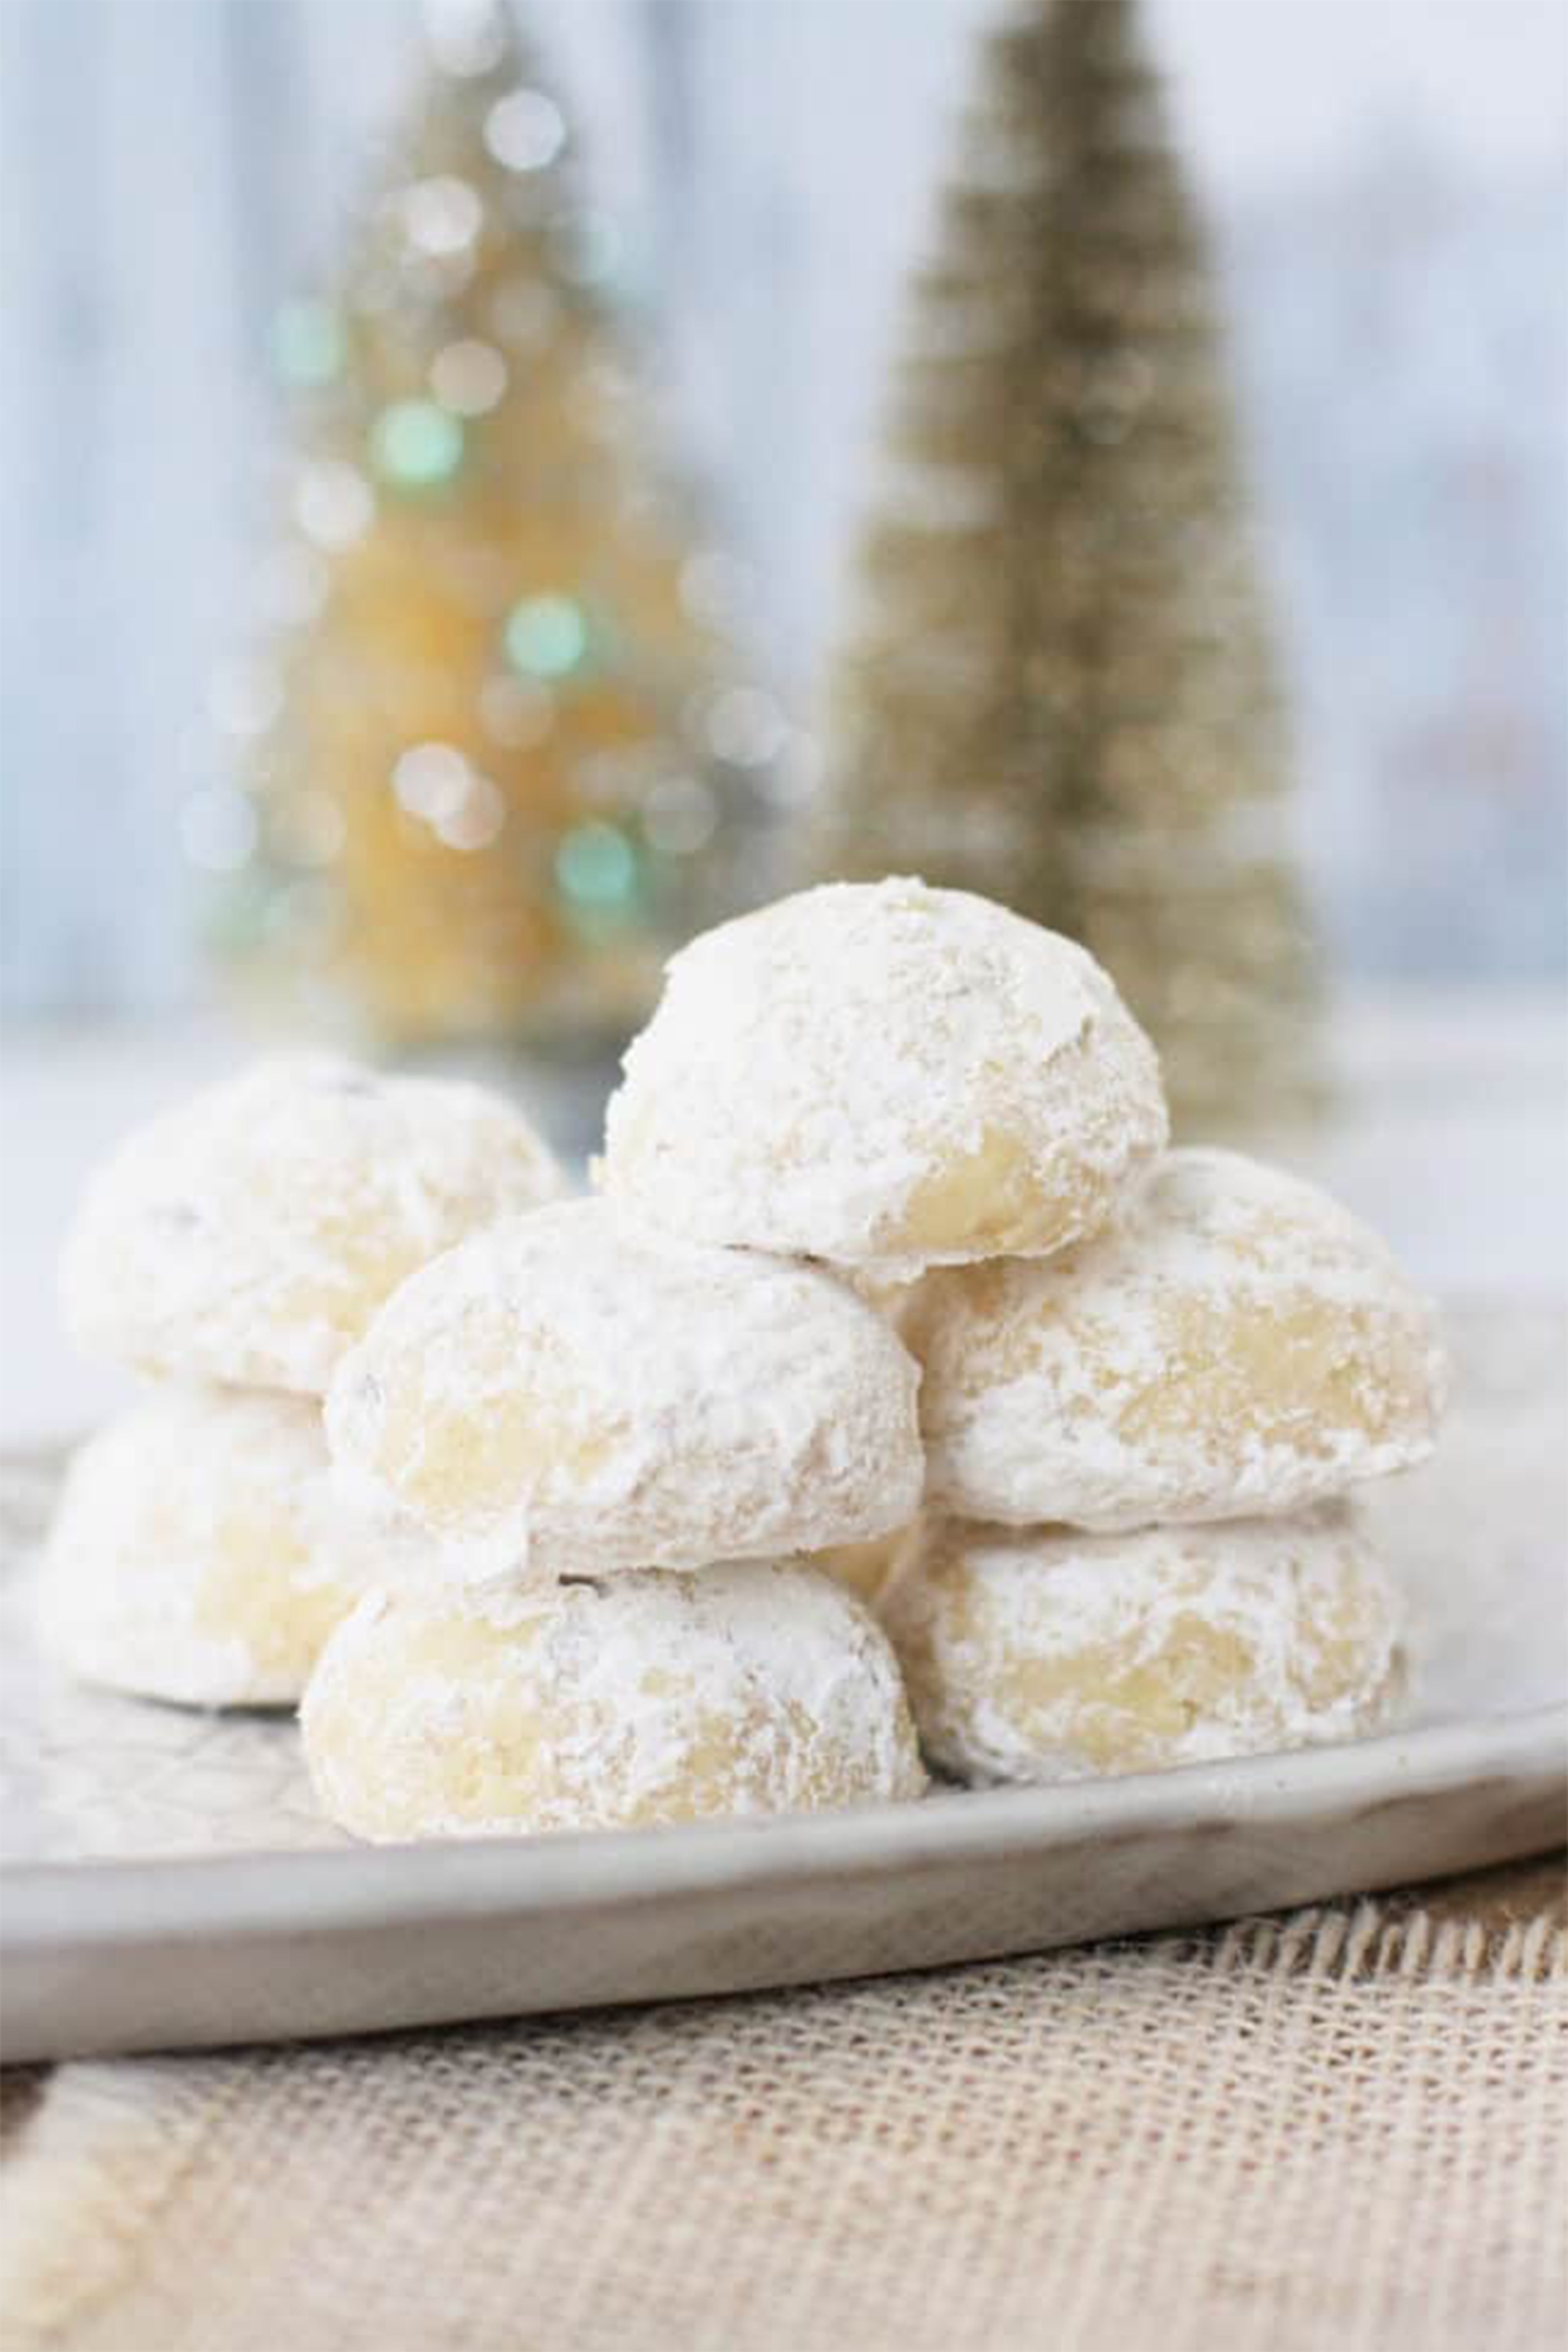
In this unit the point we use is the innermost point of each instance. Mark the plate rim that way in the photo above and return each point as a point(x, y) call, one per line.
point(324, 1891)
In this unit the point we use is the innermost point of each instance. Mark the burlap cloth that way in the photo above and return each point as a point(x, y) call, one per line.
point(1344, 2129)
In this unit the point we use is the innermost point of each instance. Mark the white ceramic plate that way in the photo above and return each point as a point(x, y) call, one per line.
point(168, 1883)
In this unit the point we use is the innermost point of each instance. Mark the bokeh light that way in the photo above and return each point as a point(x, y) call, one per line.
point(441, 215)
point(524, 131)
point(468, 377)
point(334, 505)
point(680, 815)
point(546, 637)
point(309, 345)
point(744, 726)
point(430, 780)
point(417, 443)
point(596, 867)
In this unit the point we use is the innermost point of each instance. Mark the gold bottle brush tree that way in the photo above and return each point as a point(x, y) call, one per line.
point(502, 751)
point(1059, 685)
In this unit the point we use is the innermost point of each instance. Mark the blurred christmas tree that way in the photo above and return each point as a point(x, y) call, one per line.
point(1063, 689)
point(497, 757)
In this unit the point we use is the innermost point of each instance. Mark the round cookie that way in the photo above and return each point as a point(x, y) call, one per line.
point(1045, 1655)
point(1235, 1343)
point(606, 1704)
point(250, 1235)
point(201, 1553)
point(864, 1569)
point(887, 1076)
point(568, 1393)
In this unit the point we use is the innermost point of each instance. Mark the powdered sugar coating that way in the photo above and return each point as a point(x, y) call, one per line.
point(1236, 1343)
point(250, 1235)
point(201, 1553)
point(621, 1703)
point(568, 1393)
point(884, 1075)
point(1049, 1654)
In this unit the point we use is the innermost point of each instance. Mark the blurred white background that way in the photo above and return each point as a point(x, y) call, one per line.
point(1386, 181)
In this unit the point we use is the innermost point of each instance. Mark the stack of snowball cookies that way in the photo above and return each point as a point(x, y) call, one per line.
point(897, 1390)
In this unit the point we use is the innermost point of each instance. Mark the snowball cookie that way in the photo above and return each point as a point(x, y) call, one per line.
point(884, 1075)
point(1235, 1343)
point(864, 1569)
point(566, 1392)
point(251, 1235)
point(606, 1704)
point(1045, 1655)
point(200, 1552)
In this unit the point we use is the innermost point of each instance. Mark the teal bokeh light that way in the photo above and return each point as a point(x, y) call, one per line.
point(416, 444)
point(596, 869)
point(546, 637)
point(309, 346)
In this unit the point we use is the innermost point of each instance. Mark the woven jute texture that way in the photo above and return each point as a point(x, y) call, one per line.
point(1345, 2128)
